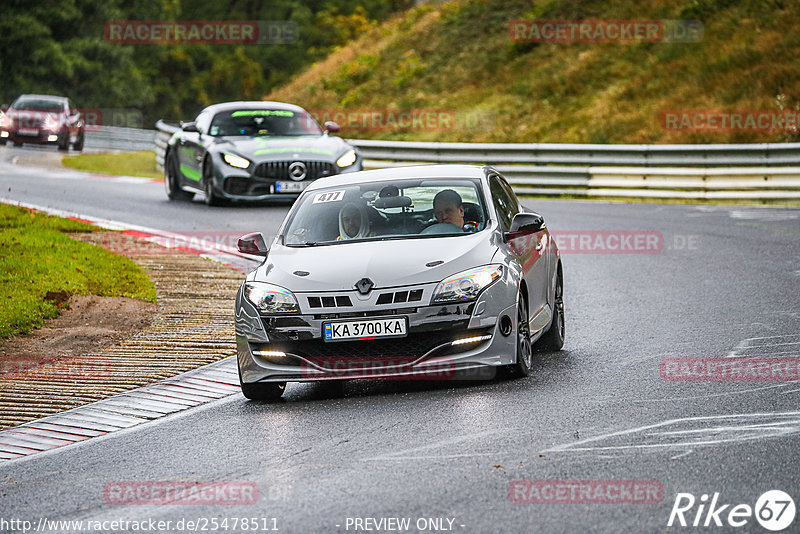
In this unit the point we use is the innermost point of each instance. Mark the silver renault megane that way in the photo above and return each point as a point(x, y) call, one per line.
point(425, 272)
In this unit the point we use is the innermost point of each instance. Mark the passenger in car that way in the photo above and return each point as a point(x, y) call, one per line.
point(354, 222)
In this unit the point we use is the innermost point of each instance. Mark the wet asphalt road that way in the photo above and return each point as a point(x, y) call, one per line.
point(725, 282)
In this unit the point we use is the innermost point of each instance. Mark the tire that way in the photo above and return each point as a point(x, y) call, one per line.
point(17, 143)
point(553, 339)
point(264, 391)
point(524, 352)
point(212, 199)
point(63, 143)
point(78, 145)
point(171, 181)
point(3, 142)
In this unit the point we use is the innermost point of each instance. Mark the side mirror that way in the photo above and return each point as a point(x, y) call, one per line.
point(331, 127)
point(524, 224)
point(189, 126)
point(253, 244)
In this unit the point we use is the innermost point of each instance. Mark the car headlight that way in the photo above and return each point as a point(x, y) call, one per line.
point(236, 161)
point(270, 298)
point(347, 159)
point(50, 123)
point(466, 285)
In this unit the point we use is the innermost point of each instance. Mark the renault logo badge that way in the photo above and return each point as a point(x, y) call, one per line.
point(364, 286)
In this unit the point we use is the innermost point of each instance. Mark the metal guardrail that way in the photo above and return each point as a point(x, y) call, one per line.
point(116, 138)
point(761, 172)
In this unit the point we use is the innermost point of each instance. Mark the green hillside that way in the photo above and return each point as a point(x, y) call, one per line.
point(457, 59)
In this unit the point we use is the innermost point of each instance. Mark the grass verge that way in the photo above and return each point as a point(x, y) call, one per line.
point(142, 163)
point(36, 256)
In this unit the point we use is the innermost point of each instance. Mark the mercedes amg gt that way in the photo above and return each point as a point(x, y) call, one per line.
point(425, 272)
point(253, 151)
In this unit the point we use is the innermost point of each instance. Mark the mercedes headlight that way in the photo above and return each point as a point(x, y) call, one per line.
point(466, 285)
point(270, 298)
point(347, 159)
point(236, 161)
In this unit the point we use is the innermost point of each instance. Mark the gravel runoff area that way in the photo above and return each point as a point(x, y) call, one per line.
point(193, 326)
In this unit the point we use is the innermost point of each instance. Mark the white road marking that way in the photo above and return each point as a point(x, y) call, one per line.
point(761, 214)
point(712, 430)
point(762, 346)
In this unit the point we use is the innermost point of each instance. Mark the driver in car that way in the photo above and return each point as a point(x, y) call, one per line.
point(448, 208)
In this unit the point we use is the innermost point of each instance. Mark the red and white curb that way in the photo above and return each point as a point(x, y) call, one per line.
point(218, 252)
point(187, 390)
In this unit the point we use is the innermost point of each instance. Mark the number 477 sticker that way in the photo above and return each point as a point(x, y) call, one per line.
point(330, 196)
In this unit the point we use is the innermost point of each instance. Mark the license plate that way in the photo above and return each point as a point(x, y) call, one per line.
point(290, 187)
point(366, 329)
point(28, 131)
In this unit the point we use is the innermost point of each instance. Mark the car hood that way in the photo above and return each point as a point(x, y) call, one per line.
point(306, 147)
point(387, 263)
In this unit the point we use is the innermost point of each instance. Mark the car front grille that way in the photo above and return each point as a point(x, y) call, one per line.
point(340, 301)
point(415, 295)
point(279, 170)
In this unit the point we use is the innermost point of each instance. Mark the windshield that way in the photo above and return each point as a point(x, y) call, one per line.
point(251, 122)
point(38, 104)
point(400, 209)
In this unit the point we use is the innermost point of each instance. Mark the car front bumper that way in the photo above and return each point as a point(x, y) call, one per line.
point(243, 185)
point(41, 137)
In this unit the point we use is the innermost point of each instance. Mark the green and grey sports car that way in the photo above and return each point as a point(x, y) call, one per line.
point(253, 151)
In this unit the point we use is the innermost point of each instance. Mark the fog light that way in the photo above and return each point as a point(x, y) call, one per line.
point(51, 138)
point(475, 339)
point(269, 353)
point(506, 325)
point(3, 134)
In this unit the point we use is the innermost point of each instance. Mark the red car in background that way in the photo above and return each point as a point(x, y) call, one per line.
point(42, 119)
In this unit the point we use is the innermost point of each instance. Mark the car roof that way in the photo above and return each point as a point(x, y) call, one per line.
point(42, 97)
point(252, 104)
point(399, 173)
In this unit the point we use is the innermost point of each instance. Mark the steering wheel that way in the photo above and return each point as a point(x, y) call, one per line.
point(470, 226)
point(442, 228)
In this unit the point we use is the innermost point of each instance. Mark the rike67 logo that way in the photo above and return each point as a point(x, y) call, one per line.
point(774, 510)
